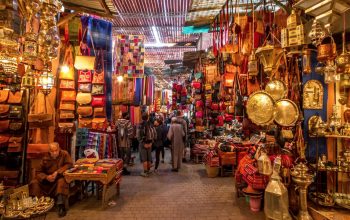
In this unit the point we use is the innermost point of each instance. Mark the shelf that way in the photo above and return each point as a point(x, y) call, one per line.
point(337, 136)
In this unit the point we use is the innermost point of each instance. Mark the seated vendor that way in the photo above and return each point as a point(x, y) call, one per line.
point(49, 179)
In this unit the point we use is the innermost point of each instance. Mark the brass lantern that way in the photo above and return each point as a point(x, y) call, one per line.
point(269, 56)
point(326, 11)
point(28, 80)
point(264, 164)
point(46, 81)
point(276, 196)
point(252, 65)
point(30, 48)
point(307, 61)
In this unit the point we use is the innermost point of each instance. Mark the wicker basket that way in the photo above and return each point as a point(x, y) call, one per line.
point(212, 171)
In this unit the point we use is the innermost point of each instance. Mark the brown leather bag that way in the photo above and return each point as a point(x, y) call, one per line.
point(4, 140)
point(68, 96)
point(66, 127)
point(15, 98)
point(64, 114)
point(15, 125)
point(85, 111)
point(4, 94)
point(85, 122)
point(84, 98)
point(99, 112)
point(4, 109)
point(64, 105)
point(99, 123)
point(15, 144)
point(4, 125)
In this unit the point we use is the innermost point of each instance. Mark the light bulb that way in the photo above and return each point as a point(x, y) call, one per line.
point(65, 69)
point(120, 78)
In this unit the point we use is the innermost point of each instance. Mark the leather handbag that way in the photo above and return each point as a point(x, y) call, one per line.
point(67, 114)
point(84, 62)
point(99, 124)
point(15, 98)
point(214, 106)
point(84, 76)
point(208, 87)
point(97, 89)
point(99, 73)
point(85, 123)
point(99, 112)
point(16, 112)
point(67, 105)
point(68, 61)
point(220, 120)
point(15, 125)
point(84, 87)
point(199, 114)
point(199, 104)
point(66, 127)
point(196, 85)
point(85, 111)
point(4, 140)
point(4, 125)
point(84, 98)
point(230, 109)
point(98, 101)
point(68, 95)
point(4, 110)
point(4, 94)
point(15, 144)
point(67, 84)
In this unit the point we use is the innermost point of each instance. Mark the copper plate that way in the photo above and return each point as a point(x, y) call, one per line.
point(261, 108)
point(277, 89)
point(287, 112)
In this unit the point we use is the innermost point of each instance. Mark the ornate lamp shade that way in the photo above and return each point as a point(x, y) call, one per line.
point(46, 82)
point(276, 196)
point(252, 65)
point(269, 56)
point(28, 80)
point(325, 11)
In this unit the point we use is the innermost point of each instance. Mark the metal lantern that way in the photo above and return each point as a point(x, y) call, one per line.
point(330, 73)
point(264, 164)
point(307, 61)
point(344, 58)
point(326, 11)
point(317, 33)
point(28, 80)
point(276, 196)
point(269, 56)
point(252, 65)
point(30, 47)
point(46, 81)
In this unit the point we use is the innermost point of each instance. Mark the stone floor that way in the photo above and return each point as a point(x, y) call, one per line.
point(189, 194)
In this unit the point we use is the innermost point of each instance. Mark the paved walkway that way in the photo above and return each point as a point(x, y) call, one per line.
point(189, 194)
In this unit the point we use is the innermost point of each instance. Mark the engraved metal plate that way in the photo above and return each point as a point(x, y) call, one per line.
point(287, 112)
point(277, 89)
point(313, 95)
point(261, 108)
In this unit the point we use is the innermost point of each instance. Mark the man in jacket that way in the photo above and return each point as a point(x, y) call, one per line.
point(49, 180)
point(125, 132)
point(183, 123)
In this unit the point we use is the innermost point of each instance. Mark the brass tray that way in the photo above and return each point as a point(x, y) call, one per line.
point(287, 112)
point(261, 108)
point(313, 95)
point(277, 89)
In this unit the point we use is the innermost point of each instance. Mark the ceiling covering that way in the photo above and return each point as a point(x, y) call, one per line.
point(139, 16)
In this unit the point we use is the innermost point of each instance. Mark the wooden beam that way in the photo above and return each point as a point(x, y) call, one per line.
point(104, 5)
point(67, 18)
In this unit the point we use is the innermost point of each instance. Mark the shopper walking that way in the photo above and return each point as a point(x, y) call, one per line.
point(125, 133)
point(176, 135)
point(183, 122)
point(146, 135)
point(162, 131)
